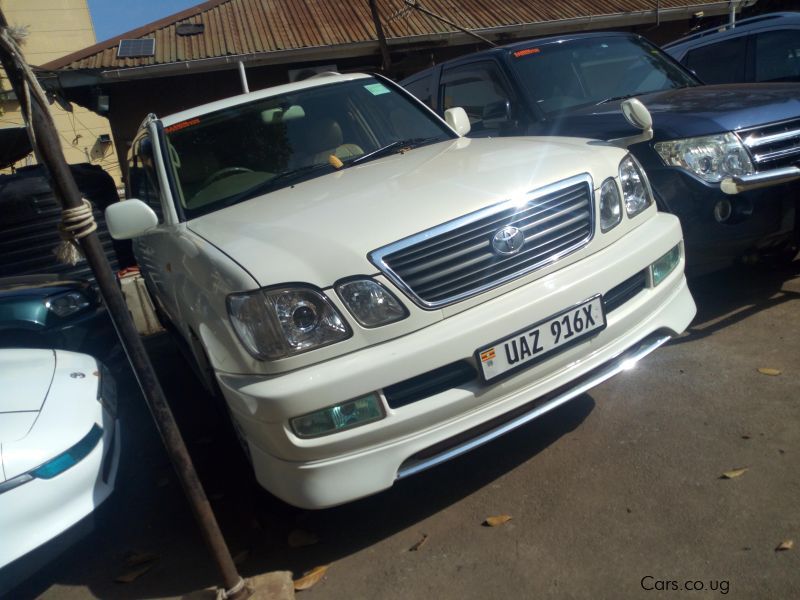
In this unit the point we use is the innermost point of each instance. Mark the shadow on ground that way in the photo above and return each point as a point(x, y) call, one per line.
point(148, 514)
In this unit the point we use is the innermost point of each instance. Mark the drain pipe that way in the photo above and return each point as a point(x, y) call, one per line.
point(243, 77)
point(732, 14)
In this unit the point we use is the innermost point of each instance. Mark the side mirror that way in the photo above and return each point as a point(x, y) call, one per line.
point(457, 119)
point(129, 219)
point(638, 116)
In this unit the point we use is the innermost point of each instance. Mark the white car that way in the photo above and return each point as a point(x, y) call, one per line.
point(374, 293)
point(59, 445)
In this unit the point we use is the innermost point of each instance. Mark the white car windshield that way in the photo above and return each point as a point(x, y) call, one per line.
point(234, 154)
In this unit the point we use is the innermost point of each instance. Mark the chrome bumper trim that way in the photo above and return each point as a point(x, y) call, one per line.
point(624, 361)
point(736, 185)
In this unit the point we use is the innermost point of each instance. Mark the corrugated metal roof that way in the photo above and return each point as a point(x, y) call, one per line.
point(246, 27)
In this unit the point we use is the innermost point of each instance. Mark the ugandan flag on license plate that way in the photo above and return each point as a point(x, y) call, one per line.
point(487, 355)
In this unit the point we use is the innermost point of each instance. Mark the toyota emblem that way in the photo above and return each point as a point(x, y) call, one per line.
point(509, 240)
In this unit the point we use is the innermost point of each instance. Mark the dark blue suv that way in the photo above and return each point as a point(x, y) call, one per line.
point(763, 48)
point(742, 138)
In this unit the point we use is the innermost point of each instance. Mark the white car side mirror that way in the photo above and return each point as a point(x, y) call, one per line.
point(457, 119)
point(129, 219)
point(638, 116)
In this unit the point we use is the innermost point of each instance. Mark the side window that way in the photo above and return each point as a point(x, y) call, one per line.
point(482, 91)
point(421, 88)
point(723, 62)
point(778, 56)
point(142, 177)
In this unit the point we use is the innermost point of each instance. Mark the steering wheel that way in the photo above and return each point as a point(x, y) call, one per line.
point(224, 173)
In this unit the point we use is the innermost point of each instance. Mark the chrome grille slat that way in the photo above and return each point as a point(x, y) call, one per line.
point(774, 145)
point(478, 229)
point(456, 260)
point(444, 289)
point(481, 240)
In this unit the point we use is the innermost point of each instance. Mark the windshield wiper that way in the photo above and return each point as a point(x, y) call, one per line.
point(613, 98)
point(282, 179)
point(391, 148)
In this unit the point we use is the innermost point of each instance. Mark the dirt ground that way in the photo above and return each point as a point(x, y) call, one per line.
point(617, 494)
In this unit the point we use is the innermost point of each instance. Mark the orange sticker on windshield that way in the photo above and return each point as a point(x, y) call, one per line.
point(526, 52)
point(181, 125)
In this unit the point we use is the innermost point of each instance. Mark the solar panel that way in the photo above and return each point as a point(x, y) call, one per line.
point(134, 48)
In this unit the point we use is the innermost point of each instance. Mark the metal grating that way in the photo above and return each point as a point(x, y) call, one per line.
point(627, 290)
point(136, 48)
point(457, 260)
point(775, 145)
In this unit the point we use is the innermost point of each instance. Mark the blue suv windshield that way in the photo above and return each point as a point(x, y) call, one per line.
point(584, 72)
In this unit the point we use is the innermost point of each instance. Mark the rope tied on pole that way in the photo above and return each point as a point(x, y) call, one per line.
point(225, 594)
point(76, 224)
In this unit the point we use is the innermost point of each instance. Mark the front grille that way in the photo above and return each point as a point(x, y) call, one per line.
point(456, 260)
point(773, 146)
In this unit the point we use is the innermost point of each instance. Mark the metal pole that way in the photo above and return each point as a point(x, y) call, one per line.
point(732, 14)
point(376, 18)
point(243, 77)
point(50, 154)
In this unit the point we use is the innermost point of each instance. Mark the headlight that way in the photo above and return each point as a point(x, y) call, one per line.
point(635, 189)
point(371, 304)
point(610, 205)
point(67, 304)
point(279, 322)
point(711, 157)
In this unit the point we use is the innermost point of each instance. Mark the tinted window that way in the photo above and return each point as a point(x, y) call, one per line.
point(778, 56)
point(723, 62)
point(421, 88)
point(481, 91)
point(142, 177)
point(582, 72)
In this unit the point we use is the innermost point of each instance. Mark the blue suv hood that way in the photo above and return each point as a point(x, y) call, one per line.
point(687, 112)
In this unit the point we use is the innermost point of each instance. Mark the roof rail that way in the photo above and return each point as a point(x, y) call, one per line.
point(727, 26)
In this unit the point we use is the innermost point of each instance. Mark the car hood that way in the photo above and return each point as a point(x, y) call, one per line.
point(25, 378)
point(323, 229)
point(689, 112)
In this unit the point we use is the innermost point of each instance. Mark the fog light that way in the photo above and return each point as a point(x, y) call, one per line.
point(339, 417)
point(723, 210)
point(665, 265)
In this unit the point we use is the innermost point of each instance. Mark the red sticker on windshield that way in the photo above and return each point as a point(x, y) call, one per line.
point(526, 52)
point(182, 125)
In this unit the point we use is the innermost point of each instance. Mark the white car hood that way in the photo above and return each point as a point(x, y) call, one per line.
point(25, 378)
point(323, 229)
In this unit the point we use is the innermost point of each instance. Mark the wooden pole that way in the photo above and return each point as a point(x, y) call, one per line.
point(48, 149)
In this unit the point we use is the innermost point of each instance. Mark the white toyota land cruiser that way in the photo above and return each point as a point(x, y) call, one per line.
point(375, 294)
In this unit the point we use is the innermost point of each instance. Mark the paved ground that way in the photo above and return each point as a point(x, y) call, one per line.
point(614, 496)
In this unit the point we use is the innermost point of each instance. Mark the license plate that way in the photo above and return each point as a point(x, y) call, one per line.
point(547, 337)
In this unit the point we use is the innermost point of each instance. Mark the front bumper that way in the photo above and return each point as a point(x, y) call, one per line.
point(341, 467)
point(761, 219)
point(41, 509)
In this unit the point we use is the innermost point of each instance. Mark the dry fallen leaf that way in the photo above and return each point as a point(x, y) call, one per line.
point(785, 545)
point(497, 520)
point(733, 473)
point(769, 371)
point(300, 537)
point(311, 578)
point(423, 540)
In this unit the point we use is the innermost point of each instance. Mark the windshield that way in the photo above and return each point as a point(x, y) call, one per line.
point(227, 156)
point(575, 73)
